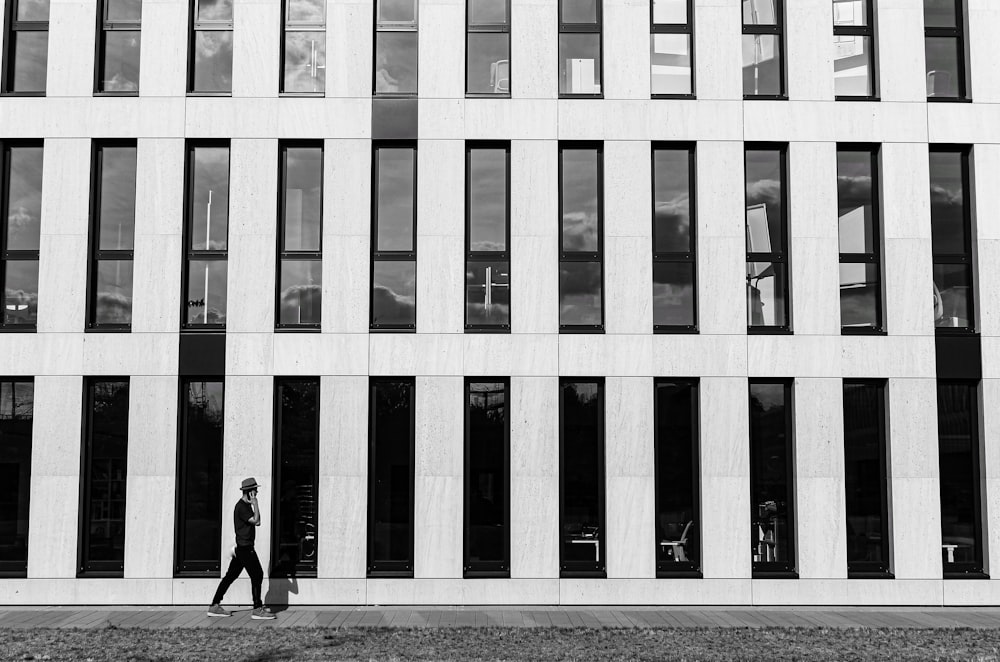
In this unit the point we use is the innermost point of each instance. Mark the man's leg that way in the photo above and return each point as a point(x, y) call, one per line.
point(256, 573)
point(235, 568)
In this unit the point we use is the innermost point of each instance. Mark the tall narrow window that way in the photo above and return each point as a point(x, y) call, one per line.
point(390, 478)
point(22, 202)
point(944, 48)
point(581, 478)
point(199, 480)
point(860, 241)
point(581, 254)
point(487, 478)
point(395, 48)
point(17, 398)
point(580, 48)
point(853, 49)
point(674, 273)
point(866, 476)
point(303, 53)
point(961, 489)
point(26, 47)
point(300, 237)
point(767, 238)
point(487, 233)
point(763, 50)
point(671, 50)
point(487, 69)
point(118, 41)
point(951, 240)
point(677, 460)
point(771, 523)
point(207, 235)
point(394, 237)
point(296, 477)
point(105, 454)
point(112, 235)
point(210, 62)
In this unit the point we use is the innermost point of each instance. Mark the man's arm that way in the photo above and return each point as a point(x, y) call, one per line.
point(255, 520)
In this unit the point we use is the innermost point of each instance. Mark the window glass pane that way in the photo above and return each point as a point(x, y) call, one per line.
point(855, 202)
point(865, 477)
point(396, 63)
point(396, 199)
point(948, 231)
point(107, 451)
point(306, 11)
point(940, 13)
point(397, 11)
point(488, 70)
point(303, 198)
point(765, 201)
point(762, 64)
point(486, 482)
point(113, 303)
point(673, 293)
point(582, 474)
point(859, 295)
point(580, 188)
point(580, 294)
point(124, 10)
point(394, 293)
point(953, 295)
point(16, 415)
point(960, 481)
point(671, 201)
point(670, 11)
point(117, 211)
point(676, 477)
point(770, 487)
point(29, 58)
point(852, 74)
point(578, 11)
point(120, 64)
point(942, 67)
point(206, 295)
point(670, 63)
point(215, 10)
point(301, 298)
point(24, 198)
point(213, 61)
point(200, 516)
point(21, 292)
point(580, 63)
point(488, 12)
point(32, 10)
point(390, 538)
point(487, 298)
point(295, 479)
point(850, 12)
point(488, 200)
point(760, 12)
point(305, 61)
point(210, 199)
point(766, 290)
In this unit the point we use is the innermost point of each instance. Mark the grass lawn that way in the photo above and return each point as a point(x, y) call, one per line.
point(261, 644)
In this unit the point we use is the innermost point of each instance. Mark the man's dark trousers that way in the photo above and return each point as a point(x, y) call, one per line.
point(245, 557)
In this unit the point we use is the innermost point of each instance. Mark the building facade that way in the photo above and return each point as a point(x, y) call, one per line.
point(502, 301)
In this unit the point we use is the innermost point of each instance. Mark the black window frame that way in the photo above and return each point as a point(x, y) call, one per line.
point(583, 256)
point(582, 28)
point(486, 28)
point(778, 29)
point(967, 257)
point(7, 255)
point(305, 26)
point(483, 256)
point(195, 26)
point(675, 28)
point(485, 569)
point(782, 257)
point(873, 257)
point(11, 26)
point(958, 34)
point(394, 26)
point(392, 256)
point(867, 30)
point(685, 257)
point(300, 255)
point(104, 26)
point(19, 569)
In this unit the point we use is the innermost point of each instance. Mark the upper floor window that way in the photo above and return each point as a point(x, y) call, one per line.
point(26, 50)
point(580, 48)
point(944, 48)
point(487, 260)
point(853, 49)
point(674, 268)
point(210, 63)
point(118, 47)
point(671, 49)
point(303, 52)
point(763, 50)
point(396, 47)
point(206, 229)
point(21, 225)
point(394, 237)
point(300, 236)
point(951, 240)
point(488, 48)
point(767, 237)
point(581, 242)
point(860, 241)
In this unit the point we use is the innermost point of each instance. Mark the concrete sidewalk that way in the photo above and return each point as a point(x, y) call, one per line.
point(593, 617)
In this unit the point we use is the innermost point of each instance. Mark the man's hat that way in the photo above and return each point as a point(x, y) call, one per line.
point(249, 484)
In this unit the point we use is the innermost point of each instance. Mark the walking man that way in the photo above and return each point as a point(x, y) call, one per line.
point(246, 517)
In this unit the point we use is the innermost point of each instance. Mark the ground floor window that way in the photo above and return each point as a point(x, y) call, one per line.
point(17, 400)
point(676, 449)
point(581, 478)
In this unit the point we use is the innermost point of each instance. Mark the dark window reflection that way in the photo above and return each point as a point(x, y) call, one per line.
point(397, 11)
point(215, 10)
point(944, 49)
point(296, 478)
point(580, 63)
point(951, 240)
point(117, 198)
point(199, 517)
point(488, 12)
point(32, 10)
point(767, 288)
point(28, 59)
point(105, 471)
point(953, 296)
point(860, 293)
point(487, 301)
point(394, 255)
point(771, 522)
point(207, 297)
point(209, 206)
point(213, 61)
point(866, 476)
point(396, 63)
point(672, 201)
point(111, 298)
point(303, 198)
point(677, 526)
point(582, 488)
point(580, 190)
point(857, 202)
point(16, 417)
point(948, 225)
point(940, 13)
point(390, 523)
point(113, 301)
point(301, 292)
point(24, 198)
point(578, 11)
point(119, 61)
point(958, 446)
point(580, 294)
point(124, 10)
point(487, 537)
point(673, 294)
point(488, 70)
point(581, 259)
point(767, 271)
point(394, 293)
point(488, 199)
point(21, 292)
point(395, 213)
point(300, 281)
